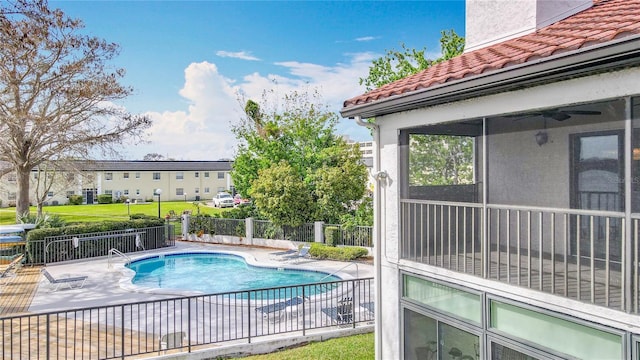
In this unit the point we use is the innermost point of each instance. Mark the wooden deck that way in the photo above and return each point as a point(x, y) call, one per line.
point(16, 296)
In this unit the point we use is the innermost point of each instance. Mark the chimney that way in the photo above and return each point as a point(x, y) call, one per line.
point(493, 21)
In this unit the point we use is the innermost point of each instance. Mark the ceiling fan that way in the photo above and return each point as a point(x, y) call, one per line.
point(557, 114)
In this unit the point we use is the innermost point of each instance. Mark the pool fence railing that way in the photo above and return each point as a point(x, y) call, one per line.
point(53, 249)
point(213, 324)
point(203, 226)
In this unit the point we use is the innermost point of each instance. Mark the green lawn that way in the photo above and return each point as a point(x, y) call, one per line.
point(357, 347)
point(100, 212)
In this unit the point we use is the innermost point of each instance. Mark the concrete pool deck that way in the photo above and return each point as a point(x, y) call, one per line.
point(104, 284)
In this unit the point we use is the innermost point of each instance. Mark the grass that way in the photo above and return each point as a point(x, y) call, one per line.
point(357, 347)
point(101, 212)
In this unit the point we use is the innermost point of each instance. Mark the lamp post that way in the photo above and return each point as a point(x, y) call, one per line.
point(128, 202)
point(158, 192)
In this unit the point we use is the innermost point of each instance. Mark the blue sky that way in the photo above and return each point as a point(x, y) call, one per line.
point(188, 60)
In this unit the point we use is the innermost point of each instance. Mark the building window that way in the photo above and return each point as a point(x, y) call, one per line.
point(179, 191)
point(125, 175)
point(197, 174)
point(206, 174)
point(197, 190)
point(137, 191)
point(220, 175)
point(427, 338)
point(221, 189)
point(70, 193)
point(126, 192)
point(11, 196)
point(137, 175)
point(156, 176)
point(108, 176)
point(11, 177)
point(108, 192)
point(206, 190)
point(179, 175)
point(35, 175)
point(50, 194)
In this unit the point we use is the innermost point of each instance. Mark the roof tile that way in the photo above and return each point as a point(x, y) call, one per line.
point(606, 20)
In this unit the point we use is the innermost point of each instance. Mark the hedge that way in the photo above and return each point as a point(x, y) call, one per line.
point(321, 251)
point(40, 234)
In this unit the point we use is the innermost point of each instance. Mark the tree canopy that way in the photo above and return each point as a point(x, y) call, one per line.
point(434, 159)
point(57, 92)
point(293, 165)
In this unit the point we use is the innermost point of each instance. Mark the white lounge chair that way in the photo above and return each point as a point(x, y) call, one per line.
point(173, 340)
point(71, 281)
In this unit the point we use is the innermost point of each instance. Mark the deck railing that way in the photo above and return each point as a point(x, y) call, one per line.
point(185, 324)
point(578, 254)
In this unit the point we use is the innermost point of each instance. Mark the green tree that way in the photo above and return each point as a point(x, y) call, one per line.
point(57, 94)
point(398, 64)
point(292, 164)
point(434, 159)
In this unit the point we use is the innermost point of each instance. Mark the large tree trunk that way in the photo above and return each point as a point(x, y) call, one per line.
point(22, 195)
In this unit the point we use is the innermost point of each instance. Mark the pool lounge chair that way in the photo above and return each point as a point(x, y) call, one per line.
point(275, 311)
point(71, 281)
point(173, 340)
point(9, 273)
point(303, 252)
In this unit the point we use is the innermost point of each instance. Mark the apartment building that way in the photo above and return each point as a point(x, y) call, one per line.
point(535, 255)
point(134, 180)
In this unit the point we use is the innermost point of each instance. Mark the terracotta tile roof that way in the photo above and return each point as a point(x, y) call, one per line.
point(606, 20)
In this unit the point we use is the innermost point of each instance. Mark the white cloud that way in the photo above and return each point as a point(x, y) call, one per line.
point(366, 38)
point(238, 55)
point(203, 130)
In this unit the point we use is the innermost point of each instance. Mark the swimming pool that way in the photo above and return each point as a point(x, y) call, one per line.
point(217, 273)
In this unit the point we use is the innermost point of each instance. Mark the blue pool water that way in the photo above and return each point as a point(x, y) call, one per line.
point(217, 273)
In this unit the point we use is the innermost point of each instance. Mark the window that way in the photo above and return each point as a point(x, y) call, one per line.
point(197, 190)
point(206, 174)
point(108, 176)
point(35, 175)
point(12, 196)
point(179, 191)
point(12, 177)
point(50, 194)
point(221, 188)
point(137, 175)
point(126, 192)
point(427, 338)
point(70, 193)
point(156, 176)
point(206, 190)
point(137, 191)
point(179, 175)
point(125, 175)
point(220, 175)
point(197, 174)
point(108, 192)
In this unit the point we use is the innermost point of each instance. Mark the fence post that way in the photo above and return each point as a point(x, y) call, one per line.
point(186, 218)
point(319, 234)
point(248, 225)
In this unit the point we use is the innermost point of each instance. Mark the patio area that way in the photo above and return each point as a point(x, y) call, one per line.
point(108, 317)
point(31, 293)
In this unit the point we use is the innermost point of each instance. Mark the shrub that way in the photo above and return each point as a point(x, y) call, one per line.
point(321, 251)
point(75, 199)
point(332, 235)
point(105, 199)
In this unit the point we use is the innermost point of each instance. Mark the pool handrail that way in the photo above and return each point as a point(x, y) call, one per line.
point(120, 254)
point(342, 268)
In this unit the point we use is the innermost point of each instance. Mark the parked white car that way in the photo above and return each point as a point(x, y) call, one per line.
point(223, 200)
